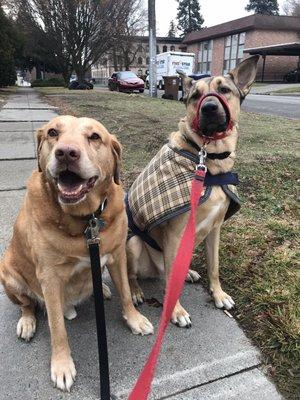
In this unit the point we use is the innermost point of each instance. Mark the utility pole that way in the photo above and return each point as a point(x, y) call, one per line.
point(152, 49)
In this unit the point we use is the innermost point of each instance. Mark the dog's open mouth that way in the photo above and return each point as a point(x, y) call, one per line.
point(72, 188)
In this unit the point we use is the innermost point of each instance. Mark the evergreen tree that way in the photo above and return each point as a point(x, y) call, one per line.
point(10, 42)
point(268, 7)
point(172, 29)
point(189, 17)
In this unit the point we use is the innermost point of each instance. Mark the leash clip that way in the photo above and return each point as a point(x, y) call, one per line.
point(202, 157)
point(92, 231)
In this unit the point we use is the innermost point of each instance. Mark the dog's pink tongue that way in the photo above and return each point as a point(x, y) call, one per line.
point(70, 182)
point(74, 189)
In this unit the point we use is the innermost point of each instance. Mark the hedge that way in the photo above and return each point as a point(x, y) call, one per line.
point(48, 82)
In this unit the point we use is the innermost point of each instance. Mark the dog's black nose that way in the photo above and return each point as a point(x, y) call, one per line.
point(67, 153)
point(209, 107)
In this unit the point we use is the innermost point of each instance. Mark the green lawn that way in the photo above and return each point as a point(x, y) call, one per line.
point(259, 245)
point(257, 84)
point(295, 89)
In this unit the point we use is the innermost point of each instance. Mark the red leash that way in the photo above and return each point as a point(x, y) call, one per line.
point(175, 284)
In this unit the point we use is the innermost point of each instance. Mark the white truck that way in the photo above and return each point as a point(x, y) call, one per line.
point(167, 64)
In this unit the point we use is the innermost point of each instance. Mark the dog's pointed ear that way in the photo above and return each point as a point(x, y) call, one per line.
point(117, 153)
point(39, 141)
point(244, 74)
point(187, 83)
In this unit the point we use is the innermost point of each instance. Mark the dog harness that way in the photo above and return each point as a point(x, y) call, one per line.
point(162, 191)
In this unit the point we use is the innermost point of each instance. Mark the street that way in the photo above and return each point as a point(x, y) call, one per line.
point(284, 106)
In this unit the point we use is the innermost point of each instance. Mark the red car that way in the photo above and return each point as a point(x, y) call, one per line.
point(125, 81)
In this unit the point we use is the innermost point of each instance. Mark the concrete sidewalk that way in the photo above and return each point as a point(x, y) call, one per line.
point(212, 360)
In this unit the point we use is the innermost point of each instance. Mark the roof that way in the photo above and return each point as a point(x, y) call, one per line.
point(255, 21)
point(160, 39)
point(284, 49)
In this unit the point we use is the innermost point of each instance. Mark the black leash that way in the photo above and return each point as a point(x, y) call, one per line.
point(91, 234)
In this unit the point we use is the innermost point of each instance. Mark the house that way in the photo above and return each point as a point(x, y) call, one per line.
point(221, 47)
point(139, 55)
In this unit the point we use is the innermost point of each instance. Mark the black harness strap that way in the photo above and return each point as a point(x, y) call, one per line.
point(91, 234)
point(212, 156)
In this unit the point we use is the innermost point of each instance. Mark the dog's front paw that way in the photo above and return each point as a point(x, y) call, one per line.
point(136, 292)
point(180, 317)
point(192, 276)
point(26, 327)
point(70, 313)
point(106, 291)
point(222, 299)
point(63, 372)
point(138, 296)
point(139, 324)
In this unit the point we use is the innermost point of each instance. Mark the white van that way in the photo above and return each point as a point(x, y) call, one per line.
point(167, 64)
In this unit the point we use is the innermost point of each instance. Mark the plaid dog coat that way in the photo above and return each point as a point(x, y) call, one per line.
point(162, 190)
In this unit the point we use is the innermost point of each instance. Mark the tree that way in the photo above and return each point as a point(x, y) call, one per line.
point(268, 7)
point(292, 7)
point(172, 30)
point(189, 17)
point(74, 34)
point(133, 23)
point(10, 48)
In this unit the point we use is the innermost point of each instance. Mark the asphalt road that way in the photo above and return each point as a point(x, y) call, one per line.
point(284, 106)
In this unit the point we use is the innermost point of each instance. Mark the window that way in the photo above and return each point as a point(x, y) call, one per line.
point(165, 48)
point(140, 48)
point(157, 49)
point(140, 60)
point(233, 51)
point(172, 48)
point(126, 74)
point(147, 60)
point(205, 57)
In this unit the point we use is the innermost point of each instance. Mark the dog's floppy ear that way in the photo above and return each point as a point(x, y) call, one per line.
point(39, 140)
point(187, 83)
point(244, 74)
point(117, 153)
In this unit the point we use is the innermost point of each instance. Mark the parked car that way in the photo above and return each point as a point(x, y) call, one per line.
point(75, 85)
point(292, 76)
point(125, 81)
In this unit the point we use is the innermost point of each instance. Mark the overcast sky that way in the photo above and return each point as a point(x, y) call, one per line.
point(214, 12)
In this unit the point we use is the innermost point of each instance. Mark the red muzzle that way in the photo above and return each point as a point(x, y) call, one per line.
point(196, 121)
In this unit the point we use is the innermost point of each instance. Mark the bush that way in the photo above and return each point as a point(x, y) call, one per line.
point(48, 82)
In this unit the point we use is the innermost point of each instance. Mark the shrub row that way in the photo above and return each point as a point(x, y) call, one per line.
point(48, 82)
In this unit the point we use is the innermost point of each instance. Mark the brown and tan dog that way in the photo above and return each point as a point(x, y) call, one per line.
point(47, 260)
point(144, 260)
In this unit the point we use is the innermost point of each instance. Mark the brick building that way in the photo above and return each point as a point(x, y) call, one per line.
point(219, 48)
point(102, 70)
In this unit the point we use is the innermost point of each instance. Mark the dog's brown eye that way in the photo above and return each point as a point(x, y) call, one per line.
point(94, 136)
point(224, 90)
point(52, 133)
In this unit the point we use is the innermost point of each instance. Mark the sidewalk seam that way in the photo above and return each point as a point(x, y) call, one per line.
point(211, 381)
